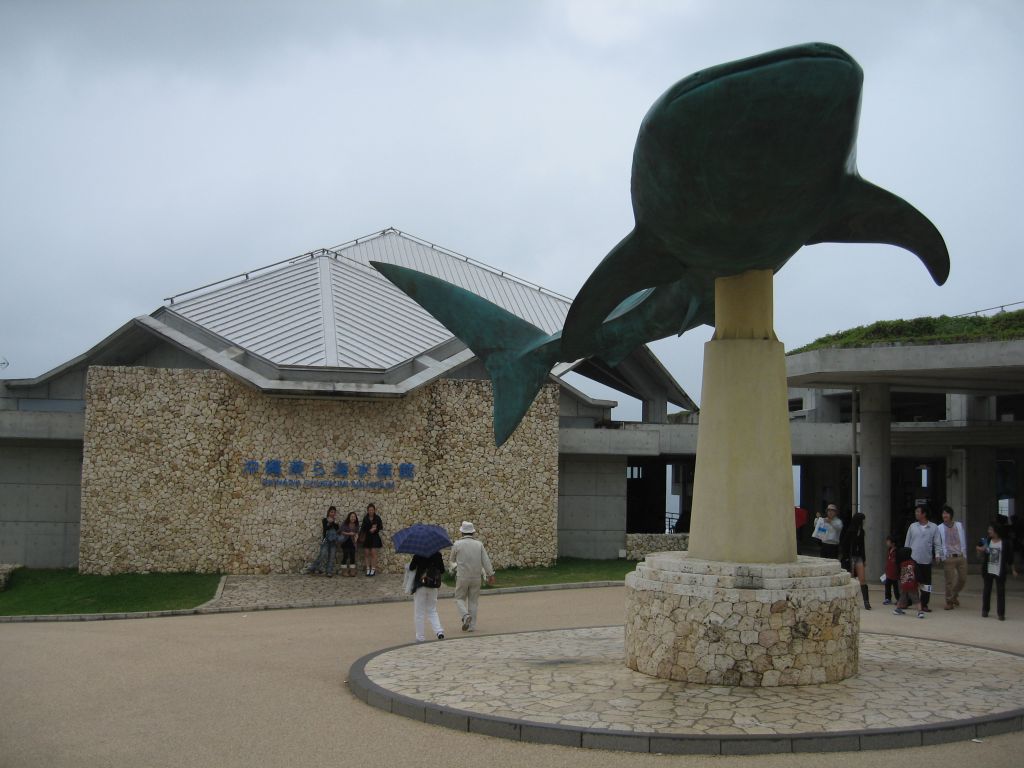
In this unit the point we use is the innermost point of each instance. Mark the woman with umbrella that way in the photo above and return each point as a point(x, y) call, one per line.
point(424, 543)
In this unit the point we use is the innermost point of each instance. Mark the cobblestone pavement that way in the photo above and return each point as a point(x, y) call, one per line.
point(576, 678)
point(305, 591)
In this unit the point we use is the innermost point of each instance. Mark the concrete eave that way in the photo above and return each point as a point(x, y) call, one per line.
point(41, 425)
point(983, 368)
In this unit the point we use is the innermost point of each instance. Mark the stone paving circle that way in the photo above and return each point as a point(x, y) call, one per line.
point(572, 687)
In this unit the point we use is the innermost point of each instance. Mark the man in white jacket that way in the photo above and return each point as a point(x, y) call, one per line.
point(471, 564)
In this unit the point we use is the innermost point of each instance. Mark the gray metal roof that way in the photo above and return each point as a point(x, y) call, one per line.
point(330, 308)
point(326, 324)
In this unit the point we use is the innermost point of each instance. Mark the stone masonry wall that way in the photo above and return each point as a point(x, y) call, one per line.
point(639, 545)
point(174, 474)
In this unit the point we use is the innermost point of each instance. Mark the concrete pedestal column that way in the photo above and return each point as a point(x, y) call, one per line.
point(876, 475)
point(743, 483)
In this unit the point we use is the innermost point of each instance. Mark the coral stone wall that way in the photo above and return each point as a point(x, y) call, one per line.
point(639, 545)
point(175, 471)
point(751, 625)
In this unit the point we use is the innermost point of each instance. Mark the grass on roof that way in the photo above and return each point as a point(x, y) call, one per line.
point(925, 330)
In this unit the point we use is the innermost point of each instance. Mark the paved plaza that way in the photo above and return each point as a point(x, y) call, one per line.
point(270, 687)
point(575, 684)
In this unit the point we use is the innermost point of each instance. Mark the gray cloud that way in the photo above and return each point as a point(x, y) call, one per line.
point(149, 148)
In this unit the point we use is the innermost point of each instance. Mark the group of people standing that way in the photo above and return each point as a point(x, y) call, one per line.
point(347, 536)
point(908, 569)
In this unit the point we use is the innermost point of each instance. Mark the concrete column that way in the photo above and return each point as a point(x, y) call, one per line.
point(743, 485)
point(655, 409)
point(875, 473)
point(981, 504)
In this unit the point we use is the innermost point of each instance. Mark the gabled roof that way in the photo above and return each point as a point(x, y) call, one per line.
point(327, 324)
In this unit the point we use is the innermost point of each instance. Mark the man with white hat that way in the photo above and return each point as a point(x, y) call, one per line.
point(470, 562)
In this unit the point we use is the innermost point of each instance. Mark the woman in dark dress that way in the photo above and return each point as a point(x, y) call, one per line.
point(369, 532)
point(854, 550)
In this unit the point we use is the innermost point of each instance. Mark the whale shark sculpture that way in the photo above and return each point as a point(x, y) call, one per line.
point(735, 168)
point(519, 356)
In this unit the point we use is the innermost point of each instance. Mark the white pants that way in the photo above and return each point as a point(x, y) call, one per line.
point(424, 602)
point(467, 594)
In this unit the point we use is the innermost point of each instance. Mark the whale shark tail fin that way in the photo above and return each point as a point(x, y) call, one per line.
point(518, 356)
point(869, 214)
point(631, 266)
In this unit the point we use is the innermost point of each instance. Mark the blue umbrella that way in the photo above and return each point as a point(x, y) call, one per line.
point(421, 539)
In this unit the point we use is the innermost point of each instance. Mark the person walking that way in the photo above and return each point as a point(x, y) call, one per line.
point(426, 582)
point(348, 532)
point(994, 569)
point(470, 561)
point(369, 534)
point(854, 551)
point(328, 542)
point(953, 556)
point(908, 582)
point(923, 541)
point(892, 572)
point(833, 531)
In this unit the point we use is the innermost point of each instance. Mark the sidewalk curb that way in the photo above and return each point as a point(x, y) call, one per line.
point(208, 608)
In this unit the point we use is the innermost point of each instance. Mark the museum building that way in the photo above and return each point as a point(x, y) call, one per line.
point(212, 434)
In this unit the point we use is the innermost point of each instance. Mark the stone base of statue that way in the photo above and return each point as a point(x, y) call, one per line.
point(745, 624)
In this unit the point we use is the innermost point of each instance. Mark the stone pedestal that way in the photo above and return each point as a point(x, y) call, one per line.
point(746, 624)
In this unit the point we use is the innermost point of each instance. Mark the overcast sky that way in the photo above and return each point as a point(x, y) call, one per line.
point(147, 148)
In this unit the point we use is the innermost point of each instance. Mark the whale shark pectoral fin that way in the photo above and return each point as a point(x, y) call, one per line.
point(518, 356)
point(629, 267)
point(869, 214)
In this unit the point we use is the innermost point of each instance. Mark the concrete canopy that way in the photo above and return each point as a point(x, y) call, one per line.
point(980, 368)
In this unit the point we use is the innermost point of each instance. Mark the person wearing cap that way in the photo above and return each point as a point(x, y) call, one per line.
point(470, 562)
point(833, 533)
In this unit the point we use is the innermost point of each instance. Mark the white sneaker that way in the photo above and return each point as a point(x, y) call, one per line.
point(466, 621)
point(920, 614)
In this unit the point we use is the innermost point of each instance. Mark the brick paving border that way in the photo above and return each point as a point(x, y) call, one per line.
point(363, 688)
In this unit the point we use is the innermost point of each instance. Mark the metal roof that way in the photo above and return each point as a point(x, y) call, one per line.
point(326, 324)
point(330, 308)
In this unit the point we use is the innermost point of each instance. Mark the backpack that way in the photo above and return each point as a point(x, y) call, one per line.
point(432, 577)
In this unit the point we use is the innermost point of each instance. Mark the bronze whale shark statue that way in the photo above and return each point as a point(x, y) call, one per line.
point(735, 168)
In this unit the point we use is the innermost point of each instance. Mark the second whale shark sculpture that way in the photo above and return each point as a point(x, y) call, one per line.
point(735, 168)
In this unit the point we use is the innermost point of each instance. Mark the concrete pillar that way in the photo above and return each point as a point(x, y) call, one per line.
point(655, 409)
point(875, 473)
point(981, 504)
point(743, 485)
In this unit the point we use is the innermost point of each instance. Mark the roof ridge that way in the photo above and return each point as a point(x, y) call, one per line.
point(337, 251)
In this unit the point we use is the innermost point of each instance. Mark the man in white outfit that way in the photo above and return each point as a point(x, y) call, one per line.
point(471, 564)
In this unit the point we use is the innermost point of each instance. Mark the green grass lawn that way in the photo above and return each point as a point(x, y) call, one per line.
point(41, 591)
point(566, 570)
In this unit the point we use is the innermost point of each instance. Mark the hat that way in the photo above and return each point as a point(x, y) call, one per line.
point(467, 527)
